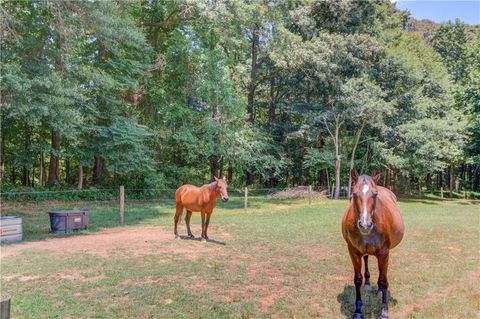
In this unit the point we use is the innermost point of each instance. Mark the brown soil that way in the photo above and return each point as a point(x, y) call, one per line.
point(125, 241)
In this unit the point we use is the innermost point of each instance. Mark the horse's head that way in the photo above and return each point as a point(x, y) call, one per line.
point(221, 188)
point(364, 197)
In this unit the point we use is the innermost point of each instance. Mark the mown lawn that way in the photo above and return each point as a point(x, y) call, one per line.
point(281, 260)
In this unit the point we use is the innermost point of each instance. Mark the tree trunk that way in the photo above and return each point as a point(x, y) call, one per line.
point(428, 182)
point(80, 176)
point(220, 169)
point(229, 172)
point(328, 182)
point(249, 177)
point(67, 171)
point(322, 177)
point(97, 169)
point(54, 168)
point(358, 134)
point(337, 162)
point(41, 176)
point(213, 166)
point(2, 159)
point(450, 181)
point(14, 176)
point(251, 89)
point(271, 103)
point(253, 75)
point(25, 177)
point(26, 172)
point(476, 178)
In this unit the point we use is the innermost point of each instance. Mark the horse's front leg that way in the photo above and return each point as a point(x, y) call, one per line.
point(204, 232)
point(367, 273)
point(383, 281)
point(206, 224)
point(357, 279)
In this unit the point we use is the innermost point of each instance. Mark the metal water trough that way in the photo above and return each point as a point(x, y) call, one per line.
point(65, 221)
point(11, 229)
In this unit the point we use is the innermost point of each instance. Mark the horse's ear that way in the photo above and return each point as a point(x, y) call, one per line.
point(224, 178)
point(215, 178)
point(354, 175)
point(376, 175)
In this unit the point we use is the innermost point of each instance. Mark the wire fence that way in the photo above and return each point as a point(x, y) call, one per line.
point(107, 209)
point(39, 201)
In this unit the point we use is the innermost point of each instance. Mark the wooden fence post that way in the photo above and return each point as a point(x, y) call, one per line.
point(309, 194)
point(441, 192)
point(246, 199)
point(122, 205)
point(5, 309)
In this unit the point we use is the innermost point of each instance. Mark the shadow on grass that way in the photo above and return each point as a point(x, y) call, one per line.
point(213, 241)
point(440, 201)
point(253, 202)
point(422, 201)
point(372, 304)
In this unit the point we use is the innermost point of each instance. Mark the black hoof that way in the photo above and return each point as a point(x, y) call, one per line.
point(358, 315)
point(191, 236)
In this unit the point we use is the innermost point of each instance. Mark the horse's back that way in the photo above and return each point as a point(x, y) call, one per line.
point(389, 202)
point(184, 190)
point(191, 197)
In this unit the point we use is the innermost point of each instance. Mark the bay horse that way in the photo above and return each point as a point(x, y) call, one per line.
point(371, 225)
point(201, 199)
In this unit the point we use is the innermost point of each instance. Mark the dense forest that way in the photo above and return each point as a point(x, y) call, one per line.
point(153, 94)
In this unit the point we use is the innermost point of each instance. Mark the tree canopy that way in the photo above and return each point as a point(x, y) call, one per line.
point(158, 93)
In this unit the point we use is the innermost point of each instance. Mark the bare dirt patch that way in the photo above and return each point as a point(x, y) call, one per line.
point(296, 193)
point(125, 241)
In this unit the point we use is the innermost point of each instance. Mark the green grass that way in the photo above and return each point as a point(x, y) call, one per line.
point(283, 259)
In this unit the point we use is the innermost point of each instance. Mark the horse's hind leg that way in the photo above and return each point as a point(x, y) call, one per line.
point(178, 214)
point(367, 273)
point(187, 222)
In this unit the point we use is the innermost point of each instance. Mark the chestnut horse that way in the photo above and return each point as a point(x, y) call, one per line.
point(199, 199)
point(371, 225)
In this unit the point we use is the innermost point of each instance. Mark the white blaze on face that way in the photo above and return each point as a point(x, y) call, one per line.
point(365, 189)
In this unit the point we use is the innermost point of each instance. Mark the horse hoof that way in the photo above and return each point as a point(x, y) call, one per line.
point(384, 314)
point(177, 237)
point(191, 236)
point(358, 315)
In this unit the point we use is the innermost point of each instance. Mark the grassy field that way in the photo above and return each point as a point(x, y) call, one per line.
point(280, 260)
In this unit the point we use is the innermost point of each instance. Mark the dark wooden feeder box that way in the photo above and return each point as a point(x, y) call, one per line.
point(65, 221)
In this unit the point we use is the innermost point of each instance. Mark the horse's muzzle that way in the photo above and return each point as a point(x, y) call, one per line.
point(364, 230)
point(224, 199)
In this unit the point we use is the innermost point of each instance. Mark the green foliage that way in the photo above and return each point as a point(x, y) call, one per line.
point(153, 94)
